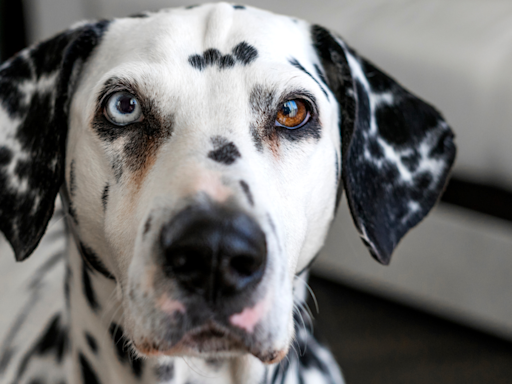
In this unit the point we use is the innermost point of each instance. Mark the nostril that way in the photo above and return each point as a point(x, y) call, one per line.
point(245, 265)
point(184, 259)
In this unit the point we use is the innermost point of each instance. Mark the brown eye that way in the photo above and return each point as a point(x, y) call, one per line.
point(293, 114)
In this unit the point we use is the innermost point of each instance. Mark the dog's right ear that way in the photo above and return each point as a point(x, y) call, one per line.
point(36, 87)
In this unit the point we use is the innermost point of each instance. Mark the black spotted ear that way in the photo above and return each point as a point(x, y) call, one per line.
point(397, 150)
point(35, 90)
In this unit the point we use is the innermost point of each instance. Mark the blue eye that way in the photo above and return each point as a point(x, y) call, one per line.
point(123, 108)
point(293, 114)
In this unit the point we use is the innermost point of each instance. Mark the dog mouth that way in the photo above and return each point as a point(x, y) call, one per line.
point(210, 341)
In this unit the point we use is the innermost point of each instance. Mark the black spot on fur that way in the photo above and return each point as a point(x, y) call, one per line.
point(5, 358)
point(89, 376)
point(239, 6)
point(94, 261)
point(5, 156)
point(91, 341)
point(310, 360)
point(89, 293)
point(211, 56)
point(54, 341)
point(192, 6)
point(67, 285)
point(245, 53)
point(226, 61)
point(104, 197)
point(297, 65)
point(72, 213)
point(123, 352)
point(197, 61)
point(147, 226)
point(247, 191)
point(141, 15)
point(72, 179)
point(225, 152)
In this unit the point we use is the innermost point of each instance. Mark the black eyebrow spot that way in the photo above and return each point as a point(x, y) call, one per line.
point(239, 6)
point(225, 152)
point(226, 61)
point(211, 56)
point(197, 61)
point(297, 65)
point(247, 191)
point(92, 342)
point(104, 196)
point(192, 6)
point(245, 53)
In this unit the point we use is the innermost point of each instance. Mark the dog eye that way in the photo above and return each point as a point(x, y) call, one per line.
point(122, 108)
point(293, 114)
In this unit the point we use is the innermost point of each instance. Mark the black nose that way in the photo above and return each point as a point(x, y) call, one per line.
point(214, 251)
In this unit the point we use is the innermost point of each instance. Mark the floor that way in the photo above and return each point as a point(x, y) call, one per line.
point(377, 341)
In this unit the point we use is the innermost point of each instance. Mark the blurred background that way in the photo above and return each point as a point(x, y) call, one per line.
point(442, 311)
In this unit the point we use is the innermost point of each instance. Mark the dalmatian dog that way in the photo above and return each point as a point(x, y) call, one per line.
point(199, 154)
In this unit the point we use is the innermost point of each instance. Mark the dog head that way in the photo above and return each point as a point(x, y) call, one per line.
point(201, 153)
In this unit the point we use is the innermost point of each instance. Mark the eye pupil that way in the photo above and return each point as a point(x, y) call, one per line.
point(126, 104)
point(122, 108)
point(290, 108)
point(293, 114)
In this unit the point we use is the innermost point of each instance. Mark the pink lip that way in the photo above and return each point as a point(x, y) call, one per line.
point(249, 317)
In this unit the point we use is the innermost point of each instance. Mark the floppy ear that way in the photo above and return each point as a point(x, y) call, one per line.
point(397, 150)
point(35, 89)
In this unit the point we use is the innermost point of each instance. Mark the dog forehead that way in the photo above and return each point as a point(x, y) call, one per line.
point(172, 36)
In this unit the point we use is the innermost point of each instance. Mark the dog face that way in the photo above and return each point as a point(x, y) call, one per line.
point(203, 152)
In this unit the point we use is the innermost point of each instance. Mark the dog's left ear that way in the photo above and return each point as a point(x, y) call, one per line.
point(397, 150)
point(35, 91)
